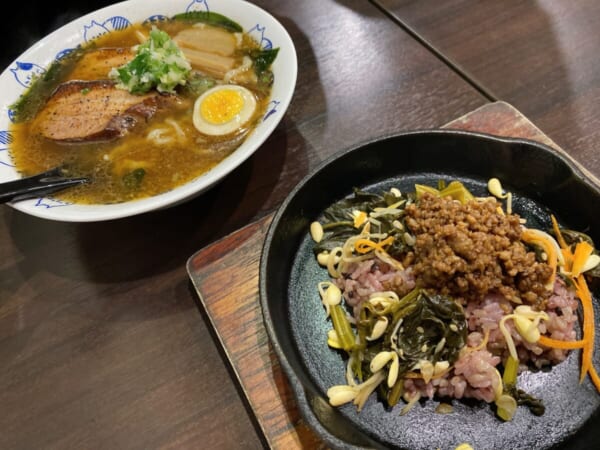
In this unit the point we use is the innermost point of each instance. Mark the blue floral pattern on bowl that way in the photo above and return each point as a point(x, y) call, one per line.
point(26, 72)
point(197, 5)
point(5, 140)
point(97, 29)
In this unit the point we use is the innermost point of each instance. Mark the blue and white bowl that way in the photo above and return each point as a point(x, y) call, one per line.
point(16, 78)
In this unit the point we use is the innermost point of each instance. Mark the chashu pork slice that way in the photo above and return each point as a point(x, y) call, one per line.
point(97, 64)
point(95, 111)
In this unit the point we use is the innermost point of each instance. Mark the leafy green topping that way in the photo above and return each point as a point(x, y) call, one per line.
point(425, 322)
point(535, 405)
point(572, 238)
point(133, 179)
point(210, 18)
point(422, 327)
point(198, 84)
point(27, 106)
point(158, 63)
point(509, 381)
point(262, 60)
point(338, 221)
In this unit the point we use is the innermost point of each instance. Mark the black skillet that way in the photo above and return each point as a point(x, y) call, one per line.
point(540, 178)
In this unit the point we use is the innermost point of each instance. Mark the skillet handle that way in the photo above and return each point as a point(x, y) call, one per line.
point(37, 186)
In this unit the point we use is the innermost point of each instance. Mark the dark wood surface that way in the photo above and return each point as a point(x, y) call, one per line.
point(540, 56)
point(233, 307)
point(102, 343)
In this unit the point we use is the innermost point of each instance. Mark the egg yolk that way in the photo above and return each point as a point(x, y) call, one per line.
point(222, 106)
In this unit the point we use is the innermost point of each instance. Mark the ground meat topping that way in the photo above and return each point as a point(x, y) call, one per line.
point(473, 249)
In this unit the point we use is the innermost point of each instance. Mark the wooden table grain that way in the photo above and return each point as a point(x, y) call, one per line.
point(102, 344)
point(540, 56)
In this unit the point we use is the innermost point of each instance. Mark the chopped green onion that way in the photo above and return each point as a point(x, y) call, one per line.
point(158, 63)
point(133, 179)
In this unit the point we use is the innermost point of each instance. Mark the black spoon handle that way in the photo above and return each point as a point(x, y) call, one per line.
point(37, 186)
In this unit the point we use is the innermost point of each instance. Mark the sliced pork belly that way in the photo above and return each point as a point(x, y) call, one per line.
point(96, 64)
point(95, 111)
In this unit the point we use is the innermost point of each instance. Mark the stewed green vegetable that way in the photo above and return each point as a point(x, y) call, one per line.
point(423, 329)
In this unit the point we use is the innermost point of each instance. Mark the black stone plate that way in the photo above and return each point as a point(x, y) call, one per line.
point(540, 178)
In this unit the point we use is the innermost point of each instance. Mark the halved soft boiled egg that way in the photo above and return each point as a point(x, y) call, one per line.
point(223, 109)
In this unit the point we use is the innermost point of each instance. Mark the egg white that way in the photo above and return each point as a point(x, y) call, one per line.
point(235, 123)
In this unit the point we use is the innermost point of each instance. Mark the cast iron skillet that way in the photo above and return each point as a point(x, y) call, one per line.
point(539, 177)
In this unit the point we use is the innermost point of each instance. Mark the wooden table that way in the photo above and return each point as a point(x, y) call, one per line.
point(540, 56)
point(102, 340)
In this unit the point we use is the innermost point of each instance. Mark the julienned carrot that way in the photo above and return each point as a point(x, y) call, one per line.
point(568, 258)
point(559, 237)
point(595, 378)
point(565, 250)
point(583, 250)
point(588, 325)
point(563, 345)
point(573, 263)
point(366, 245)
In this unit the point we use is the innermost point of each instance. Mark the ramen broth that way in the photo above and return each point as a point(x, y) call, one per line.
point(155, 157)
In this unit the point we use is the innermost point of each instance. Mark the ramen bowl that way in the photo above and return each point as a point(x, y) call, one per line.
point(34, 63)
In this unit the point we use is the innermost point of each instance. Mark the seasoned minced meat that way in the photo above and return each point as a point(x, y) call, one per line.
point(470, 250)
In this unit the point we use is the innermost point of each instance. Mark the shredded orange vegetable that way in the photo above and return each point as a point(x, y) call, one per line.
point(574, 262)
point(366, 245)
point(588, 325)
point(360, 218)
point(559, 237)
point(580, 256)
point(564, 345)
point(567, 256)
point(595, 378)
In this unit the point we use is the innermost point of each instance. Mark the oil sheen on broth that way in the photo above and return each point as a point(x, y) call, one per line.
point(163, 152)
